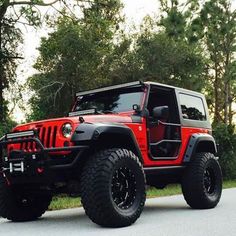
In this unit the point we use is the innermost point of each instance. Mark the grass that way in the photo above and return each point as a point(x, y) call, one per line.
point(64, 202)
point(229, 184)
point(169, 190)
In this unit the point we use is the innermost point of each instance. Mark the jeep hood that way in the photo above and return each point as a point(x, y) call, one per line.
point(108, 118)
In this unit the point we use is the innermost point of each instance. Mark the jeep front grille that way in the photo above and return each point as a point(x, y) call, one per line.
point(47, 136)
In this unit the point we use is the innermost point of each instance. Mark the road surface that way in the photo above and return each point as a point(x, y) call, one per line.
point(161, 217)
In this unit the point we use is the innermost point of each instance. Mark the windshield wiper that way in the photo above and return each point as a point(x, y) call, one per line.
point(109, 112)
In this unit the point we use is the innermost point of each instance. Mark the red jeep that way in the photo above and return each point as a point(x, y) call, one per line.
point(116, 140)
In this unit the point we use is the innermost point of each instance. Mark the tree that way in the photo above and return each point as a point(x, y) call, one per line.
point(226, 138)
point(211, 26)
point(74, 57)
point(173, 62)
point(177, 19)
point(9, 39)
point(162, 51)
point(11, 13)
point(217, 29)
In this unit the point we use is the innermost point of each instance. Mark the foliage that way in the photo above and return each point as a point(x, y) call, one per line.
point(212, 26)
point(11, 15)
point(162, 51)
point(216, 30)
point(6, 126)
point(178, 19)
point(10, 37)
point(172, 62)
point(73, 58)
point(226, 138)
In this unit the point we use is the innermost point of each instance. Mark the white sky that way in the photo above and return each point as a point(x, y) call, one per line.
point(134, 10)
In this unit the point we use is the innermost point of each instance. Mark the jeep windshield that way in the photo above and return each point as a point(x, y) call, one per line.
point(113, 101)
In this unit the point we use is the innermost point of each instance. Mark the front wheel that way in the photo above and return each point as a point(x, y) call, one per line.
point(17, 204)
point(202, 182)
point(113, 188)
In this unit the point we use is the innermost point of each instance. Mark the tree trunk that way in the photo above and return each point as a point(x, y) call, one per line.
point(226, 102)
point(1, 98)
point(217, 97)
point(3, 10)
point(231, 115)
point(1, 77)
point(231, 112)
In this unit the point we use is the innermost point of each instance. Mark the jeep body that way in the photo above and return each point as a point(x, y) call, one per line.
point(165, 127)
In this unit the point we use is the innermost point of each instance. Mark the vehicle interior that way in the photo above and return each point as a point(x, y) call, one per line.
point(163, 123)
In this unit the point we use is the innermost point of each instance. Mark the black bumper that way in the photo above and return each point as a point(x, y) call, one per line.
point(19, 163)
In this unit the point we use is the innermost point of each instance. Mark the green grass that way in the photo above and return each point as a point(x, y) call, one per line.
point(64, 202)
point(169, 190)
point(229, 184)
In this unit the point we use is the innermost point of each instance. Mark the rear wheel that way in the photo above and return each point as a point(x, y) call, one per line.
point(17, 204)
point(113, 188)
point(202, 182)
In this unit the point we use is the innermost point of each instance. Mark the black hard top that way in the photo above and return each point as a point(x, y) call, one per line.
point(136, 83)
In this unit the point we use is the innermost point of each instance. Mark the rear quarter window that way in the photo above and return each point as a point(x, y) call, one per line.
point(192, 107)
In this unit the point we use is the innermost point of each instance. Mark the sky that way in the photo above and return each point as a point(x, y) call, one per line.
point(134, 10)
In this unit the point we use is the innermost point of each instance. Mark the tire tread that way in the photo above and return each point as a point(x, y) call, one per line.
point(95, 182)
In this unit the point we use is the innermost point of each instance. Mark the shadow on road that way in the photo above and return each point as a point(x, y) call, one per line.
point(56, 217)
point(165, 208)
point(70, 218)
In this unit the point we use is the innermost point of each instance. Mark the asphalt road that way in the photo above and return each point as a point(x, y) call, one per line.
point(161, 217)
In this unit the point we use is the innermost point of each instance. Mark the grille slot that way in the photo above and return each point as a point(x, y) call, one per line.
point(47, 136)
point(47, 143)
point(54, 136)
point(43, 135)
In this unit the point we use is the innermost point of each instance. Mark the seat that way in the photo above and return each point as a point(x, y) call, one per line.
point(158, 132)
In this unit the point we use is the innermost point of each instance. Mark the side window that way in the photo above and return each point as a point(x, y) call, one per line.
point(161, 96)
point(192, 107)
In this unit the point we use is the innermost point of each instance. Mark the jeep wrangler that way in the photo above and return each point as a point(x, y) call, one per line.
point(114, 142)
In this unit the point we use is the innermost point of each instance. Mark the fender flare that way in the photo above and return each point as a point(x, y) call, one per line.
point(205, 140)
point(92, 132)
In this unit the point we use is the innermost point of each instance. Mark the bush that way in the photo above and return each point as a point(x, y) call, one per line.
point(6, 126)
point(226, 138)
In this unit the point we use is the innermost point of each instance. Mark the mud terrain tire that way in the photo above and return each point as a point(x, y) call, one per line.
point(19, 205)
point(113, 188)
point(202, 182)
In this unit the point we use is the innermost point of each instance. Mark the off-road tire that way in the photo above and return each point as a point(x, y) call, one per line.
point(202, 182)
point(106, 173)
point(18, 205)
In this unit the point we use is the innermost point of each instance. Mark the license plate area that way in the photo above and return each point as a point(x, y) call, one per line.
point(22, 163)
point(17, 166)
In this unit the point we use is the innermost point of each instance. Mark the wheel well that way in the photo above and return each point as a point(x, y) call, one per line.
point(106, 141)
point(119, 141)
point(206, 146)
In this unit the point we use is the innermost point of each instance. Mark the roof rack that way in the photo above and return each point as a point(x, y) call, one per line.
point(131, 84)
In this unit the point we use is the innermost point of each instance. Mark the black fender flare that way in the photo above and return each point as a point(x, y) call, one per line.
point(91, 133)
point(199, 142)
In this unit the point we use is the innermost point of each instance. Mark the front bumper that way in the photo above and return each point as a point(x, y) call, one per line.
point(17, 163)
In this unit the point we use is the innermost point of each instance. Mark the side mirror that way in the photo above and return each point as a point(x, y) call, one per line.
point(161, 112)
point(137, 108)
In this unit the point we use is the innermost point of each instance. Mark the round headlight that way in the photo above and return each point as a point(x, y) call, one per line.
point(67, 130)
